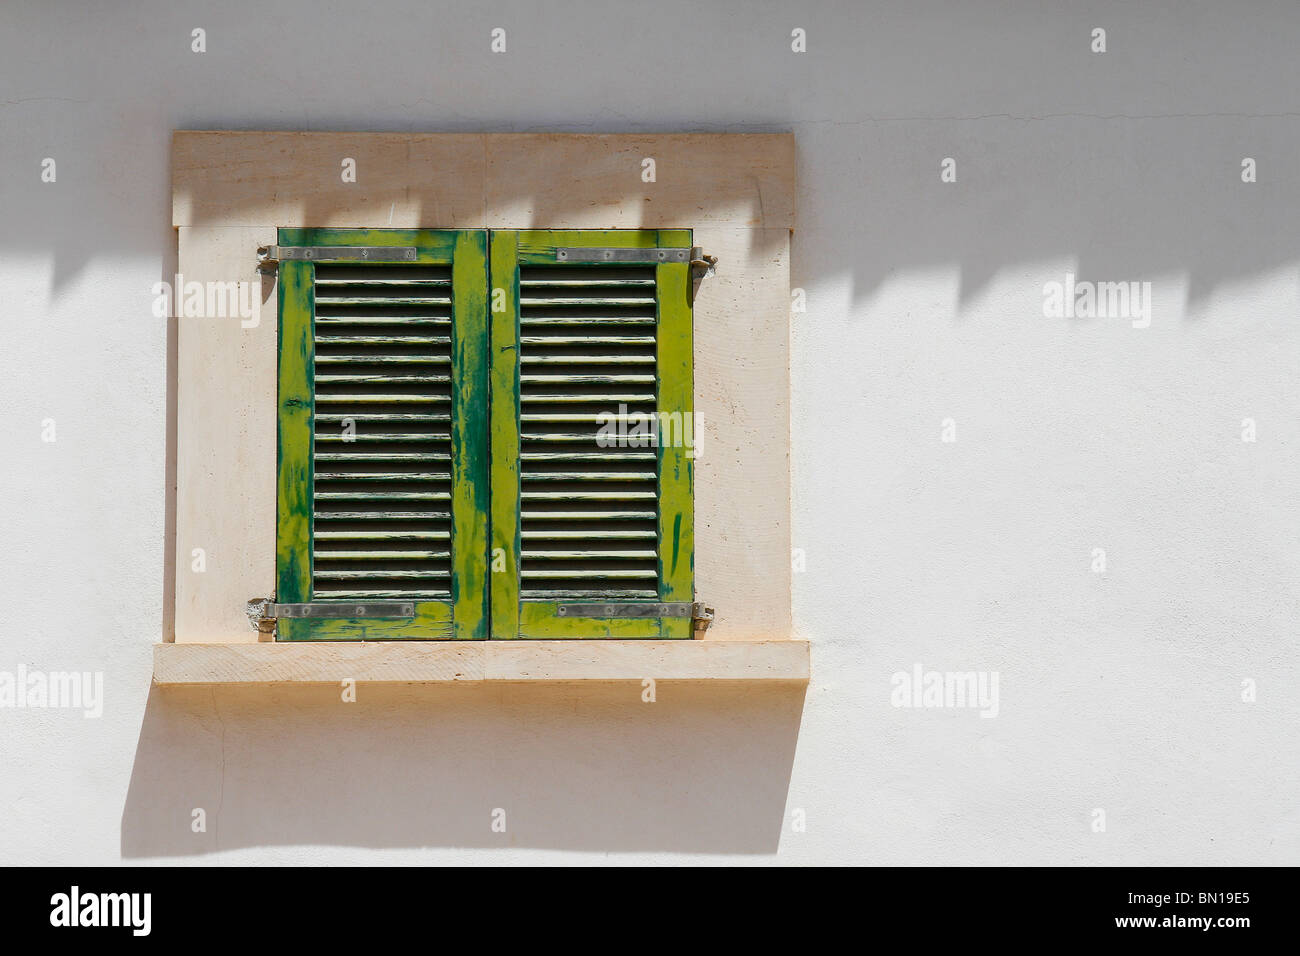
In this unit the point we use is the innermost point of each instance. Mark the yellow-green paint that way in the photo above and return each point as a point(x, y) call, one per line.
point(432, 246)
point(538, 620)
point(675, 368)
point(537, 246)
point(294, 444)
point(503, 301)
point(511, 617)
point(432, 621)
point(469, 445)
point(465, 616)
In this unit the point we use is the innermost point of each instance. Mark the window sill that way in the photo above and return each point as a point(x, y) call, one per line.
point(446, 661)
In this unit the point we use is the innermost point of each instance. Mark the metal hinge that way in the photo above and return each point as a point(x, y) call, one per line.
point(263, 612)
point(269, 257)
point(702, 267)
point(701, 615)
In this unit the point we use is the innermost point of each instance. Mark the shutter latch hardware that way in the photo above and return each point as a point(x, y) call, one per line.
point(262, 613)
point(702, 267)
point(700, 614)
point(701, 617)
point(269, 257)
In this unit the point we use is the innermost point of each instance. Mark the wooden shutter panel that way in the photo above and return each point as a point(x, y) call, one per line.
point(575, 521)
point(383, 437)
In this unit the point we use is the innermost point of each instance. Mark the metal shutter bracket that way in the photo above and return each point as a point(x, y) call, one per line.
point(701, 614)
point(702, 266)
point(262, 613)
point(625, 254)
point(269, 257)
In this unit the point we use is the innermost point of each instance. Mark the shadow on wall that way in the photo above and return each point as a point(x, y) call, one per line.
point(703, 769)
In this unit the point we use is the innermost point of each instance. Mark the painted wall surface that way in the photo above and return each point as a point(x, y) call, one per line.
point(1154, 683)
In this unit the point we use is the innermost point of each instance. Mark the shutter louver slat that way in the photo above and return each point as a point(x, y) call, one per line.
point(587, 513)
point(381, 521)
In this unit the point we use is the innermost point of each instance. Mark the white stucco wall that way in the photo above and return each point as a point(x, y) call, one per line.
point(1119, 691)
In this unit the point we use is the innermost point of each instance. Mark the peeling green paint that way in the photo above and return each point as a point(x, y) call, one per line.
point(504, 275)
point(465, 616)
point(675, 370)
point(469, 420)
point(511, 617)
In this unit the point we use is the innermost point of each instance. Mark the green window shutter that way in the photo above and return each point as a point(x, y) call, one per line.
point(383, 457)
point(575, 345)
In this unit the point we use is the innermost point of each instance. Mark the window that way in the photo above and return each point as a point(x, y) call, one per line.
point(484, 434)
point(717, 528)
